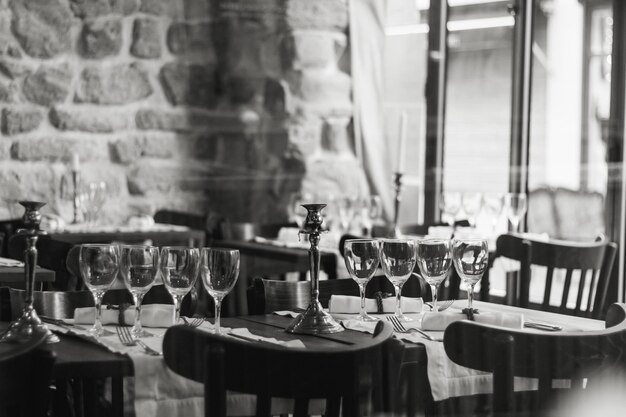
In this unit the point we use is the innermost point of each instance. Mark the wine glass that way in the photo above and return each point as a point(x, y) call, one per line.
point(98, 265)
point(179, 270)
point(450, 204)
point(515, 205)
point(471, 203)
point(470, 258)
point(362, 257)
point(434, 260)
point(219, 269)
point(493, 204)
point(397, 257)
point(139, 266)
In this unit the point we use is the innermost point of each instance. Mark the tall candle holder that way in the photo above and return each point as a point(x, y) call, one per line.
point(314, 320)
point(76, 198)
point(29, 325)
point(395, 231)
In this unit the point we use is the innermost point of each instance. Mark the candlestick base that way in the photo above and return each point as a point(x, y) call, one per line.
point(314, 321)
point(27, 327)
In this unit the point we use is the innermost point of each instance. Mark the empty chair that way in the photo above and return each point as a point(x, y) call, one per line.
point(210, 223)
point(344, 377)
point(25, 377)
point(547, 356)
point(582, 270)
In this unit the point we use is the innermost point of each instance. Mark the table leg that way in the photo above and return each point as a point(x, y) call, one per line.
point(117, 396)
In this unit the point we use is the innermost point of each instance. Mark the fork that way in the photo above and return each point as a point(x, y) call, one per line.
point(127, 339)
point(195, 322)
point(398, 327)
point(441, 305)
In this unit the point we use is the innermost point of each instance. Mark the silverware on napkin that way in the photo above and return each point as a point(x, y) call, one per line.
point(542, 326)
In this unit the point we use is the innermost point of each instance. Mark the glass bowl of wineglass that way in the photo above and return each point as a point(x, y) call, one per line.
point(98, 265)
point(179, 271)
point(515, 205)
point(471, 258)
point(434, 260)
point(219, 268)
point(361, 257)
point(139, 266)
point(398, 257)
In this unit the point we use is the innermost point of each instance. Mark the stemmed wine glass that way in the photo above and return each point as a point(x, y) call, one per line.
point(139, 266)
point(98, 265)
point(179, 270)
point(471, 203)
point(219, 268)
point(362, 257)
point(515, 205)
point(434, 259)
point(470, 258)
point(397, 257)
point(450, 204)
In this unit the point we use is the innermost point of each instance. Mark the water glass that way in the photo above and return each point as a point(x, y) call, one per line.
point(450, 204)
point(98, 265)
point(398, 257)
point(471, 258)
point(434, 260)
point(179, 270)
point(472, 204)
point(219, 268)
point(139, 266)
point(362, 258)
point(515, 205)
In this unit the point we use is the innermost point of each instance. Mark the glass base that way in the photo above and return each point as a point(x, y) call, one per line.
point(27, 328)
point(402, 317)
point(366, 317)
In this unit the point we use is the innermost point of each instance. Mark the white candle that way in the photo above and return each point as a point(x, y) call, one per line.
point(75, 162)
point(402, 144)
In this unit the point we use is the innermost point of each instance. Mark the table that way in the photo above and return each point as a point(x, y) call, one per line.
point(15, 274)
point(159, 235)
point(78, 358)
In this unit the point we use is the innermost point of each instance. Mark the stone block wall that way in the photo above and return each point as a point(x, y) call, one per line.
point(196, 105)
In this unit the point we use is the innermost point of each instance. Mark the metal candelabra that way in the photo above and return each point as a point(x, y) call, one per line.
point(314, 320)
point(76, 199)
point(29, 325)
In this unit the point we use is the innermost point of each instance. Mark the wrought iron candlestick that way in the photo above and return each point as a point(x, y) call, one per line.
point(29, 325)
point(76, 198)
point(395, 231)
point(314, 320)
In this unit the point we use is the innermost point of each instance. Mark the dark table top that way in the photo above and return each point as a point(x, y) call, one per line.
point(16, 274)
point(189, 237)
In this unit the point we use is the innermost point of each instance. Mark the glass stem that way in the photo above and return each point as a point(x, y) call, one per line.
point(137, 326)
point(362, 293)
point(470, 296)
point(177, 302)
point(97, 325)
point(398, 299)
point(433, 290)
point(218, 312)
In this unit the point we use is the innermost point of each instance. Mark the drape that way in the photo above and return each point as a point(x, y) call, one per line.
point(367, 40)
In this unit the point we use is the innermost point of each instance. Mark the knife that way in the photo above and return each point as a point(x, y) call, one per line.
point(542, 326)
point(54, 321)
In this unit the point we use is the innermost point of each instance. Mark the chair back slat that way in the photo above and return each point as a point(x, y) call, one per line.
point(547, 292)
point(564, 261)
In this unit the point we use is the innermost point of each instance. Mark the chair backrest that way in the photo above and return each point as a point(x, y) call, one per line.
point(8, 229)
point(582, 269)
point(266, 296)
point(210, 223)
point(510, 353)
point(343, 375)
point(25, 376)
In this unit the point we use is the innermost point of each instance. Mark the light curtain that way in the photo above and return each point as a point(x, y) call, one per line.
point(367, 38)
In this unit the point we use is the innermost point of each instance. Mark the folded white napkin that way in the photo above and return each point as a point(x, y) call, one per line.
point(10, 262)
point(246, 334)
point(349, 304)
point(152, 315)
point(439, 321)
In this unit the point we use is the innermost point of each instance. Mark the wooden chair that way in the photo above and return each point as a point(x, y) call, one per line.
point(343, 377)
point(510, 353)
point(210, 223)
point(25, 377)
point(266, 296)
point(8, 229)
point(587, 266)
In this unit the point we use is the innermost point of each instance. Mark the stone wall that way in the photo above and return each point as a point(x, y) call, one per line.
point(196, 105)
